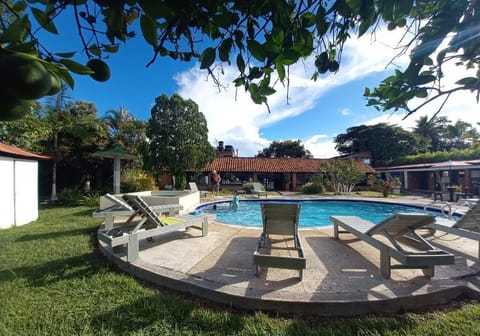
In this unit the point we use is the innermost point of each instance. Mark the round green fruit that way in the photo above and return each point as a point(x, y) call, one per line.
point(321, 62)
point(12, 109)
point(24, 77)
point(333, 66)
point(56, 85)
point(101, 69)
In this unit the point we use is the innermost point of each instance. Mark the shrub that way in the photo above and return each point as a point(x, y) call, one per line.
point(248, 187)
point(313, 188)
point(132, 181)
point(78, 197)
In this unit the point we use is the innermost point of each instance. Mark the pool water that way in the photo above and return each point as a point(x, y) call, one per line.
point(312, 213)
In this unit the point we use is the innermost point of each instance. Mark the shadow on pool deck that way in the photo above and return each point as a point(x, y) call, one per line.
point(342, 276)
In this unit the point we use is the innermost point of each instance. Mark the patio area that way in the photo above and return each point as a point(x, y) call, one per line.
point(342, 278)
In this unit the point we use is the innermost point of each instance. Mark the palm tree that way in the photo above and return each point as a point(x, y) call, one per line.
point(58, 101)
point(432, 131)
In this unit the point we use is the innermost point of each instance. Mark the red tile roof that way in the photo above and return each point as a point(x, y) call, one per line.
point(272, 165)
point(12, 151)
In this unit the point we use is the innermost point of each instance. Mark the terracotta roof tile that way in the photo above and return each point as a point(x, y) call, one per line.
point(12, 151)
point(272, 165)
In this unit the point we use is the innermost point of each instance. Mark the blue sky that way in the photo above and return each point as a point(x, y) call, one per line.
point(316, 113)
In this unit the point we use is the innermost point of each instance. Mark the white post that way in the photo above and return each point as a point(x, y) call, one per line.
point(116, 176)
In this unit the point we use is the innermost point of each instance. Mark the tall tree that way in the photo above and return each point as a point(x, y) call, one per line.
point(285, 149)
point(343, 175)
point(395, 142)
point(262, 39)
point(78, 133)
point(178, 136)
point(432, 131)
point(126, 131)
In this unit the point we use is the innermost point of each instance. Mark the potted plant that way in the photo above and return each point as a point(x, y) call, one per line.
point(396, 186)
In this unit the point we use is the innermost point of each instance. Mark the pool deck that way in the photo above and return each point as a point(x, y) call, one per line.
point(342, 277)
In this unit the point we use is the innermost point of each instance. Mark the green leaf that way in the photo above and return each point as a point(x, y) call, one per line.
point(111, 48)
point(154, 9)
point(66, 54)
point(224, 50)
point(256, 49)
point(468, 81)
point(280, 70)
point(76, 67)
point(149, 30)
point(240, 63)
point(44, 21)
point(308, 20)
point(16, 31)
point(95, 49)
point(207, 58)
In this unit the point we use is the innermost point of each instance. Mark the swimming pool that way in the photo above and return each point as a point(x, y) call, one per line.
point(313, 212)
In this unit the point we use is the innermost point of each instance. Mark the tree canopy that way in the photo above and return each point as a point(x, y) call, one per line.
point(384, 142)
point(285, 149)
point(261, 38)
point(178, 138)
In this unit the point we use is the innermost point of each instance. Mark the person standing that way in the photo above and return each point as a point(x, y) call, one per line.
point(216, 178)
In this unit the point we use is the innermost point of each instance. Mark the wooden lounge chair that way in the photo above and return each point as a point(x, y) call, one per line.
point(259, 190)
point(149, 225)
point(468, 226)
point(194, 187)
point(280, 219)
point(404, 244)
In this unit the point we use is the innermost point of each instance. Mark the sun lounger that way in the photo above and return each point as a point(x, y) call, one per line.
point(403, 243)
point(259, 190)
point(121, 208)
point(194, 187)
point(149, 225)
point(280, 219)
point(468, 226)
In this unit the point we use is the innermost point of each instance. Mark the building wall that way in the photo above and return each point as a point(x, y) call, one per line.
point(18, 192)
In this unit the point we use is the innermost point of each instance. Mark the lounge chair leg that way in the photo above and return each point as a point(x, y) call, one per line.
point(335, 230)
point(301, 274)
point(479, 249)
point(132, 248)
point(257, 270)
point(429, 272)
point(385, 266)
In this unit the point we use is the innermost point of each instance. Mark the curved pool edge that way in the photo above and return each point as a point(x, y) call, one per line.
point(206, 279)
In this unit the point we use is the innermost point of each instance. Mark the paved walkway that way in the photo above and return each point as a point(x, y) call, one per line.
point(342, 276)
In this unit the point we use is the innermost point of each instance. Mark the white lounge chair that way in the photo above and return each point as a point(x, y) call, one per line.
point(280, 219)
point(259, 190)
point(150, 225)
point(194, 187)
point(120, 208)
point(404, 244)
point(468, 226)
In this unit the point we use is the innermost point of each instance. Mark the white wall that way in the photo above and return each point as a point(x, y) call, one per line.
point(7, 212)
point(18, 191)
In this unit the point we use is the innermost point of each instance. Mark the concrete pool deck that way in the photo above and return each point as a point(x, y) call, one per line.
point(342, 277)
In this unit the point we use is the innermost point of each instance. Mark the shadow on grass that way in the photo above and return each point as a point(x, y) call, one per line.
point(161, 314)
point(77, 267)
point(57, 234)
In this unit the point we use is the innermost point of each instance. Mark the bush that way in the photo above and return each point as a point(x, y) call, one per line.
point(248, 187)
point(77, 197)
point(313, 188)
point(132, 181)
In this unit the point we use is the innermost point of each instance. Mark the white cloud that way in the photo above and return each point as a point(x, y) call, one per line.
point(235, 119)
point(321, 146)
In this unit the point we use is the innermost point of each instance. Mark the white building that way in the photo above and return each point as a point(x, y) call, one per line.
point(18, 186)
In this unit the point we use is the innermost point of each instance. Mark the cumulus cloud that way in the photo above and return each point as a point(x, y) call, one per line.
point(233, 118)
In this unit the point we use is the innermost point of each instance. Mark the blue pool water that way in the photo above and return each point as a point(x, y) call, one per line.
point(313, 212)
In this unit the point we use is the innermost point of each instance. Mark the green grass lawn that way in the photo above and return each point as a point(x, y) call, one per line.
point(53, 282)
